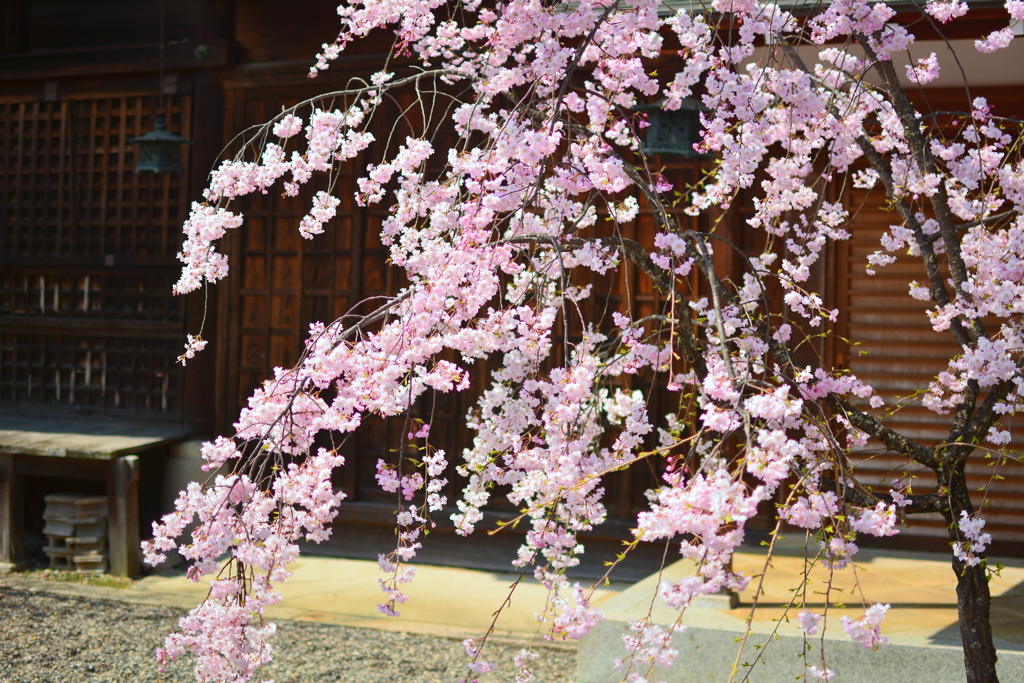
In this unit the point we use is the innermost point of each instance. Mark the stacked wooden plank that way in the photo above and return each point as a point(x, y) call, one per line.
point(76, 527)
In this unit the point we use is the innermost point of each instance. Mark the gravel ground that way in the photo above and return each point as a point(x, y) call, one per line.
point(50, 637)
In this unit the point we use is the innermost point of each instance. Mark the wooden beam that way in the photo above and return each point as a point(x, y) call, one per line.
point(118, 328)
point(71, 468)
point(126, 264)
point(113, 60)
point(123, 523)
point(293, 73)
point(200, 393)
point(12, 545)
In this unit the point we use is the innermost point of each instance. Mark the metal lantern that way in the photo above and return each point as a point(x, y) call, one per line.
point(159, 151)
point(673, 132)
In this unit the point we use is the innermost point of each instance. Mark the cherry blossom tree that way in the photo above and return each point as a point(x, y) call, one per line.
point(548, 163)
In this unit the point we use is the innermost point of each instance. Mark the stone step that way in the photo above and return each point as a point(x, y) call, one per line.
point(921, 625)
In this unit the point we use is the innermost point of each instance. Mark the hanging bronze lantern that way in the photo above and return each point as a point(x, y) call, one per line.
point(159, 151)
point(673, 132)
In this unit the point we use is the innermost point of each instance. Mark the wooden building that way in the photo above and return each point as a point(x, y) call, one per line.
point(89, 331)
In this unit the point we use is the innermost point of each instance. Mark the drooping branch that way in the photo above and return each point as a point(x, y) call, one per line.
point(575, 61)
point(638, 256)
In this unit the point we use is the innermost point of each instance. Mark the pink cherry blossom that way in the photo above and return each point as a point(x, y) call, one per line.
point(926, 71)
point(944, 10)
point(996, 40)
point(868, 629)
point(508, 208)
point(809, 622)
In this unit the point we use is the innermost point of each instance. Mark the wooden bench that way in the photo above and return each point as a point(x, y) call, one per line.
point(93, 448)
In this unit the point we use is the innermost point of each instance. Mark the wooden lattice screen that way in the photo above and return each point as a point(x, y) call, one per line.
point(88, 252)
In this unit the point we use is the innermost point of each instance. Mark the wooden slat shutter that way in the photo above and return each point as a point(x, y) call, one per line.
point(894, 348)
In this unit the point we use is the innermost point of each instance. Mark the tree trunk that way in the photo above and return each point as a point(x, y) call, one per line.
point(973, 600)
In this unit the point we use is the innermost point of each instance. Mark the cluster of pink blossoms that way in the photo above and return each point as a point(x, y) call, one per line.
point(496, 249)
point(227, 633)
point(974, 543)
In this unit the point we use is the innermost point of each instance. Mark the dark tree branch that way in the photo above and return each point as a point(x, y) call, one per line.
point(922, 155)
point(964, 411)
point(918, 503)
point(981, 221)
point(985, 416)
point(637, 255)
point(889, 437)
point(718, 293)
point(925, 243)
